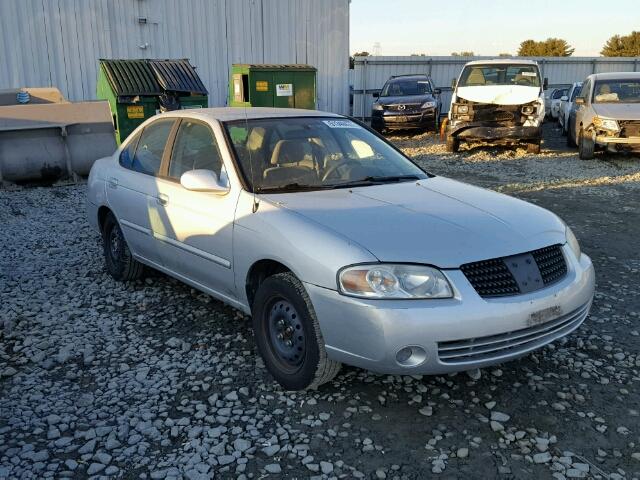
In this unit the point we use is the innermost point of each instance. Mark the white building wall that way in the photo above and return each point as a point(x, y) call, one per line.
point(58, 42)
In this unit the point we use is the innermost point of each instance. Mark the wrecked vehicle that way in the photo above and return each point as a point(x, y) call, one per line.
point(340, 247)
point(606, 115)
point(499, 101)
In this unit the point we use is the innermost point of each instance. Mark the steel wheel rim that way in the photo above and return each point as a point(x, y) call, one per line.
point(115, 243)
point(286, 333)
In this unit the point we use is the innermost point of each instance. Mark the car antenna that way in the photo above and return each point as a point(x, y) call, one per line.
point(256, 203)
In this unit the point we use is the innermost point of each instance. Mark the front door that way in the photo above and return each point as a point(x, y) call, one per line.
point(197, 227)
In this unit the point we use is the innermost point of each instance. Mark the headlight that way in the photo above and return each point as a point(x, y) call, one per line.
point(377, 106)
point(606, 123)
point(393, 281)
point(528, 109)
point(428, 105)
point(462, 109)
point(572, 241)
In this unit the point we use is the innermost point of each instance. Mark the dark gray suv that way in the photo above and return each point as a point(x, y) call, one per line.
point(406, 102)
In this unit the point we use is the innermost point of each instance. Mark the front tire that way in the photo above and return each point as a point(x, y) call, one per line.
point(288, 334)
point(119, 262)
point(586, 146)
point(453, 144)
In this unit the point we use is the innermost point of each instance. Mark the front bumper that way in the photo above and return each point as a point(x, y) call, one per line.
point(606, 140)
point(456, 334)
point(397, 120)
point(493, 132)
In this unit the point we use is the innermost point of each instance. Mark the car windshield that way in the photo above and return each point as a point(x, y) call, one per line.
point(559, 93)
point(398, 88)
point(314, 153)
point(480, 75)
point(617, 91)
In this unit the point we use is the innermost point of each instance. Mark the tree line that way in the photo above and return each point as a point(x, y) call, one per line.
point(616, 46)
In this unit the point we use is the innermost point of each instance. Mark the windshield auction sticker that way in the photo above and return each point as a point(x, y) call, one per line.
point(340, 124)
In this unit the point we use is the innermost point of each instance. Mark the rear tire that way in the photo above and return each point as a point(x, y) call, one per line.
point(288, 334)
point(453, 144)
point(586, 146)
point(119, 262)
point(533, 147)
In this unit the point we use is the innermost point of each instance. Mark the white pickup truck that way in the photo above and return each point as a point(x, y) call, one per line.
point(498, 101)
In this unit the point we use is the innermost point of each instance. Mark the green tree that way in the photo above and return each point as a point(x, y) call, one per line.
point(551, 47)
point(418, 54)
point(357, 54)
point(463, 54)
point(622, 46)
point(505, 54)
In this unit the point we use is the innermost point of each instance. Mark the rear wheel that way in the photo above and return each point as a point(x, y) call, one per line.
point(288, 334)
point(119, 262)
point(586, 146)
point(453, 144)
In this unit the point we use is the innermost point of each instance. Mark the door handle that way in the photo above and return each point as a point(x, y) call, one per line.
point(113, 182)
point(162, 199)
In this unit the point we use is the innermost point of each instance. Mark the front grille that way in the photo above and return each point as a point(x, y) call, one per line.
point(551, 263)
point(495, 347)
point(629, 128)
point(492, 278)
point(408, 107)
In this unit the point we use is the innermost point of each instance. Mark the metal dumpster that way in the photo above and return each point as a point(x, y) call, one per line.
point(289, 86)
point(45, 137)
point(138, 89)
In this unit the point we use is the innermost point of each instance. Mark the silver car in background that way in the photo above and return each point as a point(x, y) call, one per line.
point(566, 104)
point(340, 247)
point(607, 114)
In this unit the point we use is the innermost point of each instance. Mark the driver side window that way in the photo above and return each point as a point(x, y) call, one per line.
point(195, 148)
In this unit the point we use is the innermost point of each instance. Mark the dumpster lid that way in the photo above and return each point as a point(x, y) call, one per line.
point(151, 77)
point(272, 66)
point(177, 76)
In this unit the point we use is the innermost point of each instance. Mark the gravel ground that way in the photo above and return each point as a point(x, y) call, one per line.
point(156, 380)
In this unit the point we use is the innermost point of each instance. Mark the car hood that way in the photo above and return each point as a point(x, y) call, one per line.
point(618, 111)
point(435, 221)
point(406, 99)
point(499, 94)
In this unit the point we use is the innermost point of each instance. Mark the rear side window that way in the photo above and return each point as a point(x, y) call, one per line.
point(195, 148)
point(128, 152)
point(150, 149)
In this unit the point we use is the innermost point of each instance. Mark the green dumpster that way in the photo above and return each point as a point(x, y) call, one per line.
point(289, 86)
point(139, 89)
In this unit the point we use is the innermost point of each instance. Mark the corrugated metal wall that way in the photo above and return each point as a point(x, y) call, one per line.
point(58, 42)
point(371, 73)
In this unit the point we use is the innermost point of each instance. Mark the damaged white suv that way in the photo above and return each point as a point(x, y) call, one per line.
point(500, 101)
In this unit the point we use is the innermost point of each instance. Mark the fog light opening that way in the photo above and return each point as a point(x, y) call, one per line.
point(410, 356)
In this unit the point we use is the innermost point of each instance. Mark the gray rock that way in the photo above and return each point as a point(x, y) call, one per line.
point(273, 468)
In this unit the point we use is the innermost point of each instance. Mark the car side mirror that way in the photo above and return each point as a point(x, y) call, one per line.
point(203, 181)
point(580, 101)
point(564, 98)
point(545, 83)
point(454, 82)
point(376, 94)
point(437, 91)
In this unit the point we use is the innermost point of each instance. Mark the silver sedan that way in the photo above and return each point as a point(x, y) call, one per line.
point(340, 248)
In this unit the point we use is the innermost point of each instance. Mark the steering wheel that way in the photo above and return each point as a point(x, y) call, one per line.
point(331, 171)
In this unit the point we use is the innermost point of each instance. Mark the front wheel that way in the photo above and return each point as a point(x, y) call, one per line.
point(453, 144)
point(118, 259)
point(586, 146)
point(288, 334)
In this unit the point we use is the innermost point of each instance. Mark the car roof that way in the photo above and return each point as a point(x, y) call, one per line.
point(410, 76)
point(229, 114)
point(503, 61)
point(615, 75)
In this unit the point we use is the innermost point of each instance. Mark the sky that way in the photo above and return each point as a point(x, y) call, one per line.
point(486, 27)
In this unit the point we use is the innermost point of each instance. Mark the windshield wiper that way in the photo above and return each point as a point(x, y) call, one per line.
point(377, 180)
point(292, 187)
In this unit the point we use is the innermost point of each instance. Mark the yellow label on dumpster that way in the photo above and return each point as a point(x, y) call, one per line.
point(262, 86)
point(135, 112)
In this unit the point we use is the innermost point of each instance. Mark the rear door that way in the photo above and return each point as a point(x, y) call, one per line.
point(197, 227)
point(132, 189)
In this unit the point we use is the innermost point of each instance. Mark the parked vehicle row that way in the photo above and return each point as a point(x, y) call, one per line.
point(339, 246)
